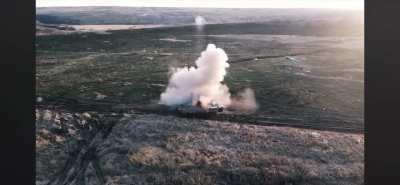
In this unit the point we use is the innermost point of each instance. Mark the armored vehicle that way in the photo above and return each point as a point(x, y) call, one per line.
point(198, 111)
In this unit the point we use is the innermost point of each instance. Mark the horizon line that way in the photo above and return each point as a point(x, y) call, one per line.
point(240, 4)
point(316, 8)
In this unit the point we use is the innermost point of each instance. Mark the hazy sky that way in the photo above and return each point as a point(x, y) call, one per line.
point(335, 4)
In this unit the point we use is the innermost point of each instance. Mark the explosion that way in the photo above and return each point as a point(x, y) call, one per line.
point(200, 21)
point(201, 85)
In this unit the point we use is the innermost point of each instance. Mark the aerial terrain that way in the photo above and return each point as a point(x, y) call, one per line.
point(100, 72)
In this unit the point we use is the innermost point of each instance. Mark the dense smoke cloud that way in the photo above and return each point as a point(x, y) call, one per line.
point(203, 83)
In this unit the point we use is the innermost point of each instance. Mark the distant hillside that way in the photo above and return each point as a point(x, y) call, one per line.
point(185, 16)
point(54, 19)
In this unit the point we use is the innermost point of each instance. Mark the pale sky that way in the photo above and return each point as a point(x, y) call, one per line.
point(331, 4)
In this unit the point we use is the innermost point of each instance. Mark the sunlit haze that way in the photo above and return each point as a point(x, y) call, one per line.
point(335, 4)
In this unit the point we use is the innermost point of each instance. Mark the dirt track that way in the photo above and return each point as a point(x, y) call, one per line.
point(108, 107)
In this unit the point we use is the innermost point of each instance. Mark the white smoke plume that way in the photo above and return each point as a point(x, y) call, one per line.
point(245, 101)
point(203, 83)
point(200, 21)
